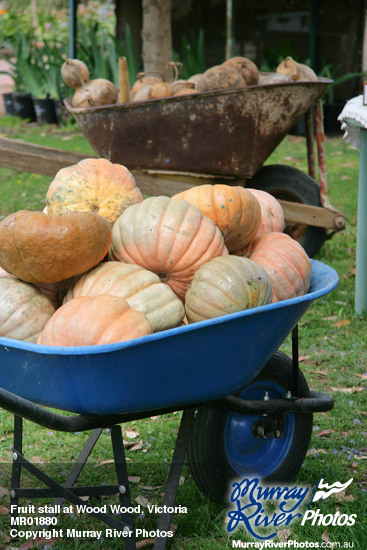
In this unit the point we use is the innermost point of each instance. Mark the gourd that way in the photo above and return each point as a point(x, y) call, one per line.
point(74, 73)
point(225, 285)
point(285, 262)
point(169, 237)
point(95, 93)
point(220, 77)
point(233, 209)
point(38, 248)
point(95, 185)
point(142, 289)
point(94, 320)
point(24, 311)
point(295, 70)
point(247, 69)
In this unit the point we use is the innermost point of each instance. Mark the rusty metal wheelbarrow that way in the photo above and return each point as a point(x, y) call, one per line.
point(223, 136)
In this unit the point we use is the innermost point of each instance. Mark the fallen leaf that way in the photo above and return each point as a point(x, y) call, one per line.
point(325, 536)
point(144, 543)
point(321, 372)
point(134, 479)
point(137, 446)
point(131, 434)
point(4, 492)
point(348, 390)
point(4, 510)
point(340, 497)
point(284, 534)
point(325, 433)
point(362, 376)
point(342, 323)
point(109, 461)
point(4, 537)
point(303, 357)
point(143, 501)
point(331, 318)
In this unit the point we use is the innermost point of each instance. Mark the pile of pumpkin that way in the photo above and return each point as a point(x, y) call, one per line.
point(102, 264)
point(236, 72)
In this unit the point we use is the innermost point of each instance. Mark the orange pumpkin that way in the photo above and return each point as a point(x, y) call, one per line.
point(233, 209)
point(24, 311)
point(95, 185)
point(169, 237)
point(38, 248)
point(94, 320)
point(285, 262)
point(142, 289)
point(272, 216)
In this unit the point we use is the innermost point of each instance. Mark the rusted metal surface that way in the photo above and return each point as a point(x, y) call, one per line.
point(319, 126)
point(229, 132)
point(310, 144)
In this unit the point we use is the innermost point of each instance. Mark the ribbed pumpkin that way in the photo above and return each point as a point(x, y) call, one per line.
point(94, 320)
point(169, 237)
point(95, 185)
point(142, 289)
point(233, 209)
point(24, 311)
point(38, 248)
point(225, 285)
point(272, 216)
point(285, 262)
point(54, 291)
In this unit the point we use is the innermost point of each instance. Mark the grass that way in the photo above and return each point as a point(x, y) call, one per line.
point(333, 360)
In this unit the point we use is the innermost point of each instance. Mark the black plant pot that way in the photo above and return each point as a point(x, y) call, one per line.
point(8, 102)
point(45, 111)
point(331, 123)
point(23, 106)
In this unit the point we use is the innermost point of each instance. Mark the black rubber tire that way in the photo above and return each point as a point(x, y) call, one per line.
point(290, 184)
point(206, 453)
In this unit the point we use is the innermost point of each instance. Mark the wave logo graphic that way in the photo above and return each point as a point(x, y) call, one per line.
point(324, 490)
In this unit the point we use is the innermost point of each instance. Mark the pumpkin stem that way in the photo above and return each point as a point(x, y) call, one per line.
point(176, 67)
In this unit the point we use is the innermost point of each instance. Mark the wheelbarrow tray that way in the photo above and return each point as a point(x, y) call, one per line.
point(228, 132)
point(177, 367)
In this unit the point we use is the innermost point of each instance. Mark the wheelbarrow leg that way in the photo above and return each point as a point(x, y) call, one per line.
point(16, 467)
point(123, 483)
point(78, 465)
point(174, 474)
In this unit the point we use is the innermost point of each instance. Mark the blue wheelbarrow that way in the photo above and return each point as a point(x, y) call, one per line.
point(247, 408)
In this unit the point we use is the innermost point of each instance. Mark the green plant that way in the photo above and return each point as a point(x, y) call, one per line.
point(192, 54)
point(100, 50)
point(331, 71)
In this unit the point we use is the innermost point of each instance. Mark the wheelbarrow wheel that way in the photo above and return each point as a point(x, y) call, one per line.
point(222, 445)
point(290, 184)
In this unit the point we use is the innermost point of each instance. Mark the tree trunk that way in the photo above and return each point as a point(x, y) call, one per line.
point(157, 35)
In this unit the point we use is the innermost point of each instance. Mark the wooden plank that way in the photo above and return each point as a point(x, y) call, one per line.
point(39, 159)
point(318, 216)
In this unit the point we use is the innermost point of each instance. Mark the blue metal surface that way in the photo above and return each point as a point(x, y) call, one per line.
point(248, 454)
point(176, 367)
